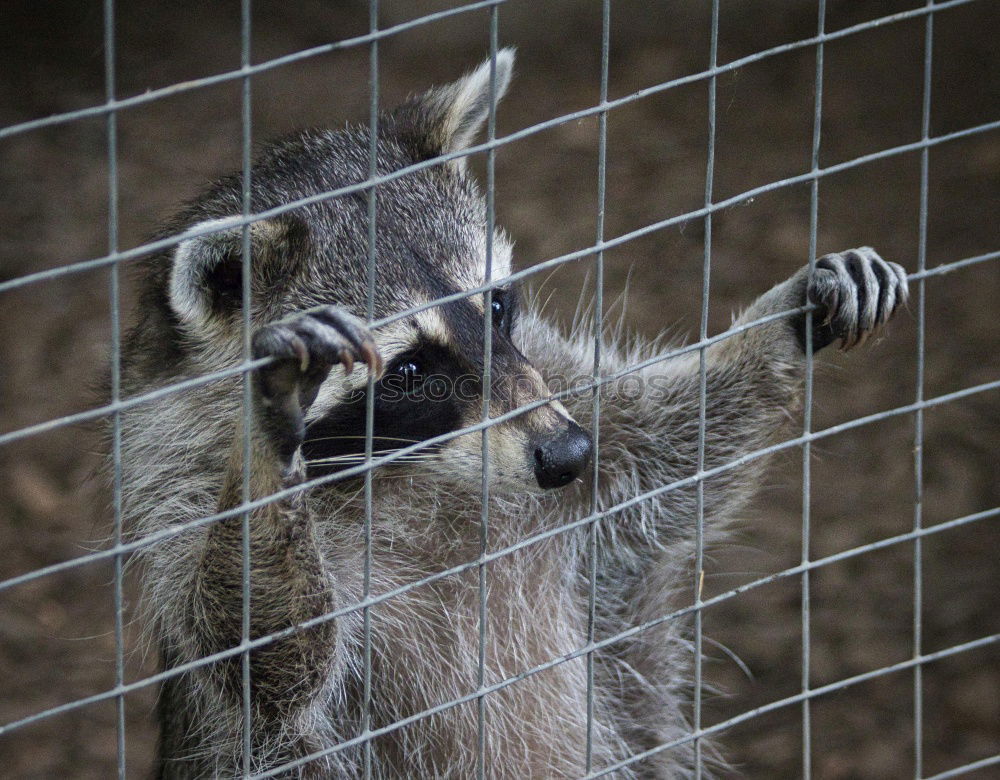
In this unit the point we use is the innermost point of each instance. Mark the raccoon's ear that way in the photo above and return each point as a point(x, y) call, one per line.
point(447, 119)
point(206, 275)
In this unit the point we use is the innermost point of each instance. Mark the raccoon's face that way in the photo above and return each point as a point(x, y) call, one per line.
point(431, 242)
point(433, 385)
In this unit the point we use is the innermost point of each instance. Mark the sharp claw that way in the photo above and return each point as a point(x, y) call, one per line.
point(302, 353)
point(347, 359)
point(371, 356)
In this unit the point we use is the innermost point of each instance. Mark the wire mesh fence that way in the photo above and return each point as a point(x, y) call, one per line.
point(712, 206)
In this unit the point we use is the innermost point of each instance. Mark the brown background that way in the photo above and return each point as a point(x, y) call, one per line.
point(56, 641)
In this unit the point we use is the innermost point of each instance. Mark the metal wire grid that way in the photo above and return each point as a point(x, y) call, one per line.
point(706, 273)
point(598, 326)
point(116, 428)
point(115, 256)
point(369, 407)
point(247, 126)
point(918, 415)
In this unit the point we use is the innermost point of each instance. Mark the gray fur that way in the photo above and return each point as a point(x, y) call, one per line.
point(183, 460)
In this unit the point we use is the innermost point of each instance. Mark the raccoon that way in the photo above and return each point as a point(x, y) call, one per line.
point(183, 459)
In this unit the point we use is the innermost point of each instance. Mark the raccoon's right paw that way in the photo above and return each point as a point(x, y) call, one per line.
point(856, 293)
point(304, 351)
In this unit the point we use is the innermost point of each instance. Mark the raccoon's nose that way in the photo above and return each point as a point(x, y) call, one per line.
point(563, 458)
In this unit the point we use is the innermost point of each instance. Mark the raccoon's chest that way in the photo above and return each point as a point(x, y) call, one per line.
point(426, 672)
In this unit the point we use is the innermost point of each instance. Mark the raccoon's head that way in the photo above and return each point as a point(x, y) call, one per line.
point(430, 242)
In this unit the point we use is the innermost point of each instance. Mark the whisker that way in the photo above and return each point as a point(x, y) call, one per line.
point(360, 458)
point(328, 461)
point(362, 454)
point(358, 436)
point(383, 477)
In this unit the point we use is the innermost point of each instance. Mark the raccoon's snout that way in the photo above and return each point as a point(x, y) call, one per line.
point(563, 458)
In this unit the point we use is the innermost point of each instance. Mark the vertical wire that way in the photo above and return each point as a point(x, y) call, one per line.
point(918, 421)
point(808, 404)
point(116, 426)
point(595, 502)
point(491, 131)
point(373, 90)
point(699, 567)
point(245, 12)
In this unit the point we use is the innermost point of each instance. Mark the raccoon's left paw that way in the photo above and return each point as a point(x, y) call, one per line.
point(857, 292)
point(303, 351)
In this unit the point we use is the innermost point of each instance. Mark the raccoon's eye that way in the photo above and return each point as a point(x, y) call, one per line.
point(409, 371)
point(501, 319)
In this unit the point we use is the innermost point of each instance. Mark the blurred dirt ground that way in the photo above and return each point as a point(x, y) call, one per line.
point(56, 640)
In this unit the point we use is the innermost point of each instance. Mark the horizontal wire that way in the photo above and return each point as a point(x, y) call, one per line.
point(136, 400)
point(114, 106)
point(204, 379)
point(224, 373)
point(590, 647)
point(947, 268)
point(966, 768)
point(233, 75)
point(234, 222)
point(748, 715)
point(800, 697)
point(401, 453)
